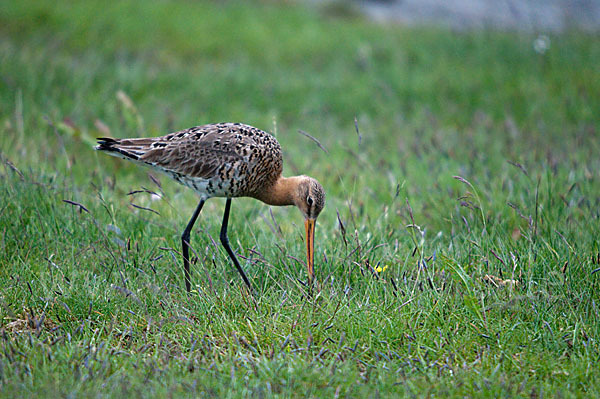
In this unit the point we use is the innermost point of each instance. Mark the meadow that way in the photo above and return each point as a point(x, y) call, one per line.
point(457, 254)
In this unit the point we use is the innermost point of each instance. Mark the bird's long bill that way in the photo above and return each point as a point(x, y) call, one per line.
point(309, 224)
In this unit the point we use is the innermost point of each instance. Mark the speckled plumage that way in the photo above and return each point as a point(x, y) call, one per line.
point(217, 160)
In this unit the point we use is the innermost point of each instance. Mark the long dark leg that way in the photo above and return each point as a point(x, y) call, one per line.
point(185, 245)
point(225, 242)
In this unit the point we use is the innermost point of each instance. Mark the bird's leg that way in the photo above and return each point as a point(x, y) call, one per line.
point(185, 245)
point(225, 242)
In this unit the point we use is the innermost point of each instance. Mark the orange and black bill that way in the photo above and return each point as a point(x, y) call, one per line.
point(309, 224)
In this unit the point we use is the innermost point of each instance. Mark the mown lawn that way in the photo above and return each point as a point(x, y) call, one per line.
point(457, 254)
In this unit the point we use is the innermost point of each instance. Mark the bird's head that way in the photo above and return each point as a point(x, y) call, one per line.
point(309, 197)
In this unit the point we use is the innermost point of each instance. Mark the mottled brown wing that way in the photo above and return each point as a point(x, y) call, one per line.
point(197, 152)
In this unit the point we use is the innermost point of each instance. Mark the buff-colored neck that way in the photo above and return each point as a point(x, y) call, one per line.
point(283, 192)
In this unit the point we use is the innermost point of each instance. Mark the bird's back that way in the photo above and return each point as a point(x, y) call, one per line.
point(216, 160)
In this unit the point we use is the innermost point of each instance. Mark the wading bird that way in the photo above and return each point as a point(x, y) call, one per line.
point(225, 160)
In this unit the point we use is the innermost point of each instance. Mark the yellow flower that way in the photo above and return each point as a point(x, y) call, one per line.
point(379, 269)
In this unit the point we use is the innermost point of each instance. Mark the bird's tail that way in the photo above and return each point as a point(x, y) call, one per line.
point(131, 149)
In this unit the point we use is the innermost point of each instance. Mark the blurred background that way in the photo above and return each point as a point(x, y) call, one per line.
point(523, 15)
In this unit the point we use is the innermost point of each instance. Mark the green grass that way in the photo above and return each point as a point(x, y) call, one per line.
point(92, 301)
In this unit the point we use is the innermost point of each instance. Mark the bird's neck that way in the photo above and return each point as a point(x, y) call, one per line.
point(282, 192)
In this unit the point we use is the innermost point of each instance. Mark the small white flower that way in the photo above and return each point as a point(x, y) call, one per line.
point(541, 44)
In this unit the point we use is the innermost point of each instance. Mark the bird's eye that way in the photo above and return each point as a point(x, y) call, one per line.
point(309, 200)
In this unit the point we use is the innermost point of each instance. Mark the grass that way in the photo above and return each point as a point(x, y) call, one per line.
point(457, 253)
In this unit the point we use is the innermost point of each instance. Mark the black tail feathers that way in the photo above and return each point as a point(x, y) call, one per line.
point(111, 145)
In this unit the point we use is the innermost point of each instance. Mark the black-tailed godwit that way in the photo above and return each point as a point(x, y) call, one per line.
point(225, 160)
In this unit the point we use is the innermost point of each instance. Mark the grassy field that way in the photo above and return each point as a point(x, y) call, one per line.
point(457, 254)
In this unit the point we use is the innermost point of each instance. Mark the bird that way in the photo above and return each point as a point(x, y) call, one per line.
point(227, 160)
